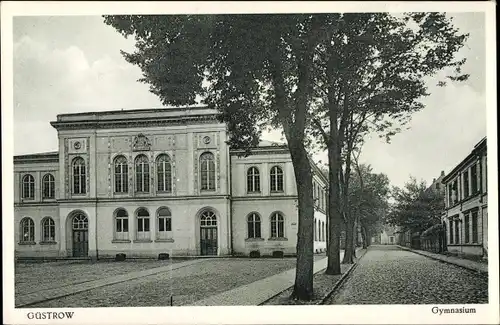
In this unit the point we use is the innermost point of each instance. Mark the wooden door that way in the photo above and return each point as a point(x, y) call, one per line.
point(80, 243)
point(208, 243)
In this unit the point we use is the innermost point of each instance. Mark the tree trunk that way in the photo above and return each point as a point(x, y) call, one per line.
point(303, 288)
point(349, 242)
point(334, 213)
point(363, 236)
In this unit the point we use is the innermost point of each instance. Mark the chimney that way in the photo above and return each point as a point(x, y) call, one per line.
point(434, 180)
point(442, 173)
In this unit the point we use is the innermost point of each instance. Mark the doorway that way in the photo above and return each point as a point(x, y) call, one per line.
point(208, 233)
point(80, 227)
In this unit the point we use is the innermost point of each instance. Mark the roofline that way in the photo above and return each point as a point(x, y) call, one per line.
point(134, 110)
point(37, 155)
point(478, 147)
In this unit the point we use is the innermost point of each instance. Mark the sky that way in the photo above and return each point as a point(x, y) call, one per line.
point(69, 64)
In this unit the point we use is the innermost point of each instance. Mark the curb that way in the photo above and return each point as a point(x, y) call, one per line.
point(342, 279)
point(444, 261)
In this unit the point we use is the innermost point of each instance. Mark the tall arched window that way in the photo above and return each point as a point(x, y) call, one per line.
point(164, 217)
point(48, 230)
point(253, 180)
point(207, 170)
point(164, 173)
point(323, 230)
point(121, 174)
point(253, 222)
point(28, 189)
point(277, 225)
point(49, 184)
point(79, 176)
point(141, 174)
point(142, 224)
point(276, 179)
point(121, 224)
point(27, 231)
point(315, 230)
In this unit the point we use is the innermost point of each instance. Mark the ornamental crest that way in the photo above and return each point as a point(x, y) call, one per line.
point(141, 143)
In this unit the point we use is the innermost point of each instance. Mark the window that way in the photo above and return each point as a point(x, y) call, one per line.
point(277, 225)
point(121, 175)
point(27, 231)
point(324, 230)
point(451, 232)
point(48, 230)
point(79, 176)
point(207, 169)
point(276, 179)
point(457, 232)
point(450, 194)
point(466, 183)
point(208, 219)
point(466, 228)
point(49, 185)
point(121, 224)
point(438, 186)
point(164, 173)
point(455, 191)
point(80, 221)
point(164, 217)
point(474, 182)
point(475, 234)
point(28, 189)
point(253, 221)
point(253, 180)
point(141, 174)
point(315, 230)
point(142, 224)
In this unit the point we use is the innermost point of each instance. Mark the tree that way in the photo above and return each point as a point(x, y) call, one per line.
point(416, 206)
point(258, 70)
point(371, 76)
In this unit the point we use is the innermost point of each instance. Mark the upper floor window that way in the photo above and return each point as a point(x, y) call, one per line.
point(164, 173)
point(48, 230)
point(27, 234)
point(121, 224)
point(474, 180)
point(142, 224)
point(466, 183)
point(49, 185)
point(141, 174)
point(277, 225)
point(28, 189)
point(276, 179)
point(207, 170)
point(315, 230)
point(253, 223)
point(253, 180)
point(164, 217)
point(121, 174)
point(79, 176)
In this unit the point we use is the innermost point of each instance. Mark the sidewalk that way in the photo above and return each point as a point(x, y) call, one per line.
point(468, 264)
point(54, 293)
point(259, 291)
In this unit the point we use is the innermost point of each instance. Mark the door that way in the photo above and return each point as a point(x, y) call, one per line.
point(80, 235)
point(208, 240)
point(80, 243)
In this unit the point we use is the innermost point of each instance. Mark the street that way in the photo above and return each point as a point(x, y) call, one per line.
point(389, 275)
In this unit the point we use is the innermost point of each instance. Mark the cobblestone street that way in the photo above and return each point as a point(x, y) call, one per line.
point(389, 275)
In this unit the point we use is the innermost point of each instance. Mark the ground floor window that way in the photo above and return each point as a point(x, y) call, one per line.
point(143, 225)
point(457, 232)
point(121, 225)
point(253, 222)
point(277, 225)
point(466, 228)
point(475, 234)
point(27, 230)
point(164, 223)
point(48, 230)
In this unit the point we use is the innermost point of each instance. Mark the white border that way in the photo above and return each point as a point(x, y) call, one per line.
point(379, 314)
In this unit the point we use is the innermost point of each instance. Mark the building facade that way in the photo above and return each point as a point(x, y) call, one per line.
point(144, 182)
point(466, 217)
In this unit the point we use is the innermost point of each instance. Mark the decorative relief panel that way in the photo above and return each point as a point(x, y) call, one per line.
point(110, 169)
point(174, 174)
point(78, 145)
point(120, 144)
point(141, 143)
point(195, 167)
point(206, 140)
point(68, 169)
point(164, 142)
point(217, 164)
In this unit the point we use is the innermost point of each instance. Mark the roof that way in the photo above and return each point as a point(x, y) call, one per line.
point(51, 156)
point(480, 146)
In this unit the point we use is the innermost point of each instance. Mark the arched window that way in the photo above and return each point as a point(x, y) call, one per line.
point(79, 176)
point(121, 224)
point(315, 230)
point(121, 174)
point(164, 217)
point(164, 173)
point(277, 225)
point(80, 222)
point(28, 189)
point(141, 174)
point(142, 216)
point(48, 230)
point(276, 179)
point(27, 230)
point(207, 170)
point(49, 184)
point(208, 219)
point(253, 180)
point(253, 221)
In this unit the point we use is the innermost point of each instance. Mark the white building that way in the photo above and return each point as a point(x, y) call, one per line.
point(144, 182)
